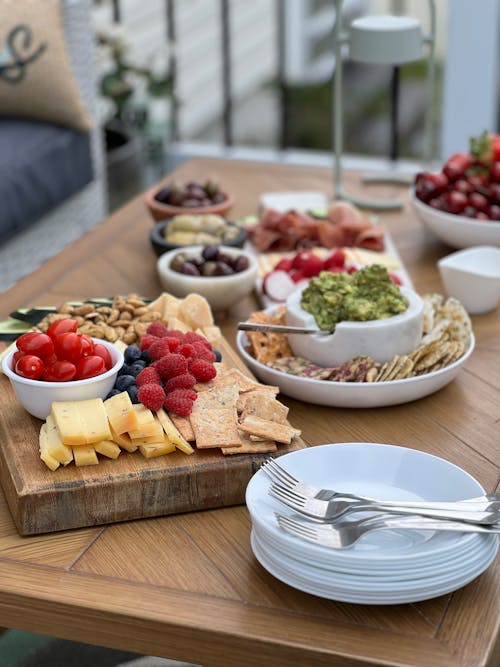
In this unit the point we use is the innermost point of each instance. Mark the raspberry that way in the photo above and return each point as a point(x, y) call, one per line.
point(193, 337)
point(179, 404)
point(202, 370)
point(185, 393)
point(202, 352)
point(159, 348)
point(173, 343)
point(157, 328)
point(187, 350)
point(184, 381)
point(148, 376)
point(151, 396)
point(175, 333)
point(147, 340)
point(171, 365)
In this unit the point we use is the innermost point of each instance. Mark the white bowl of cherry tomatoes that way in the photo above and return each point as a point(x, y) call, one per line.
point(60, 365)
point(461, 203)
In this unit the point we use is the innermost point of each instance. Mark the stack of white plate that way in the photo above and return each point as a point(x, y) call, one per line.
point(383, 567)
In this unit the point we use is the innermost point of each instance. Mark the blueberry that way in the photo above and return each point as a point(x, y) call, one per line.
point(218, 355)
point(113, 392)
point(132, 392)
point(137, 367)
point(145, 356)
point(124, 370)
point(124, 381)
point(132, 353)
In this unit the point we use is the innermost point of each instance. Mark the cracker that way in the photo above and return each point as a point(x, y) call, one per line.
point(387, 368)
point(183, 425)
point(215, 428)
point(264, 405)
point(216, 397)
point(233, 376)
point(401, 370)
point(251, 447)
point(268, 429)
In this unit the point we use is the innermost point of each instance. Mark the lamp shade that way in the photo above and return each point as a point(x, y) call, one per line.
point(385, 40)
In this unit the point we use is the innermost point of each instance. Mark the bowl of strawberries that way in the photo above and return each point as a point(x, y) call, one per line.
point(461, 203)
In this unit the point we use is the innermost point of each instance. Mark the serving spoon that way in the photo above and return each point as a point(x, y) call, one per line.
point(282, 328)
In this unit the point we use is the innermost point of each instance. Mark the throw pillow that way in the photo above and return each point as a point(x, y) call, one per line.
point(36, 79)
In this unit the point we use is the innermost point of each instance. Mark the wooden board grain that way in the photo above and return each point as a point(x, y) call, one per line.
point(130, 487)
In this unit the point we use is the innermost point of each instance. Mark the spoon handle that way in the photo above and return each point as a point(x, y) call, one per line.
point(279, 328)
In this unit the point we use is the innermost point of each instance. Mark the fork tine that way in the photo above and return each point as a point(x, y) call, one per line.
point(275, 472)
point(296, 526)
point(283, 473)
point(289, 499)
point(296, 498)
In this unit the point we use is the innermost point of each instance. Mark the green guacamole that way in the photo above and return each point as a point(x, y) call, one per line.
point(368, 294)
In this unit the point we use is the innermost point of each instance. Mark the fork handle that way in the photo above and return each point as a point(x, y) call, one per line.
point(422, 523)
point(477, 517)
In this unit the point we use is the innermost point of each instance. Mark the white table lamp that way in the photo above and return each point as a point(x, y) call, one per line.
point(384, 40)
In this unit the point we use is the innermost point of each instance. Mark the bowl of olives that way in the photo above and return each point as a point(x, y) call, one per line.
point(187, 229)
point(222, 274)
point(195, 197)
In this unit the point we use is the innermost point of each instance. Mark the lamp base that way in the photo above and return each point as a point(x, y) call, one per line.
point(374, 204)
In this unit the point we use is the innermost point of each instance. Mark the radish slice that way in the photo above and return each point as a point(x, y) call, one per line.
point(278, 285)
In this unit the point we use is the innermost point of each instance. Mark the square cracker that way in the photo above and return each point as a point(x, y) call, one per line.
point(183, 425)
point(250, 447)
point(265, 405)
point(268, 430)
point(216, 397)
point(215, 428)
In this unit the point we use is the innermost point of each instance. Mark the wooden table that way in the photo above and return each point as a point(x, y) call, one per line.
point(188, 586)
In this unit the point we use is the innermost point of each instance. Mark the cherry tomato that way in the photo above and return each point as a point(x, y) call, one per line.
point(62, 326)
point(68, 346)
point(36, 343)
point(87, 345)
point(89, 367)
point(103, 352)
point(16, 356)
point(60, 371)
point(30, 366)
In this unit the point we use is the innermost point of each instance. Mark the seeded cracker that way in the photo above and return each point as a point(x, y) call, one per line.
point(183, 425)
point(215, 428)
point(268, 429)
point(250, 447)
point(263, 404)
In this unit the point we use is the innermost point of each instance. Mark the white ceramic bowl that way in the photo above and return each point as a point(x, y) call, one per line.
point(37, 396)
point(378, 339)
point(473, 277)
point(457, 231)
point(352, 394)
point(221, 292)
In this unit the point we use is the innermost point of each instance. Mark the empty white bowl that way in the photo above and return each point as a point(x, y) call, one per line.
point(221, 292)
point(37, 396)
point(378, 339)
point(473, 277)
point(457, 231)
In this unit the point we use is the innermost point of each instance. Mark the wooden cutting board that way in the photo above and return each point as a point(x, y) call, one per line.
point(130, 487)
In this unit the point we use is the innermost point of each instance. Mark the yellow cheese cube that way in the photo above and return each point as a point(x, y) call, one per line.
point(157, 449)
point(120, 412)
point(123, 440)
point(108, 448)
point(147, 426)
point(172, 433)
point(46, 457)
point(85, 455)
point(55, 447)
point(81, 422)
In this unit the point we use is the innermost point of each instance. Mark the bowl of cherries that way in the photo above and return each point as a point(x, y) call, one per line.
point(222, 274)
point(461, 203)
point(60, 365)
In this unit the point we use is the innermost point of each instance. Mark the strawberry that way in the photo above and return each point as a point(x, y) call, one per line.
point(307, 263)
point(485, 149)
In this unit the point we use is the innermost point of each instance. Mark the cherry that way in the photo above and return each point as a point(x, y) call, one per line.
point(469, 211)
point(463, 186)
point(429, 185)
point(479, 201)
point(481, 215)
point(495, 172)
point(457, 165)
point(455, 201)
point(495, 212)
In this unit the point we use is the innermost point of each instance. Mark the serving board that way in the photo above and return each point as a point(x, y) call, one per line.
point(130, 487)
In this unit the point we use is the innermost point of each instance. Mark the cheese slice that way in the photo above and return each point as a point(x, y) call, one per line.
point(85, 455)
point(120, 412)
point(95, 420)
point(123, 440)
point(108, 448)
point(45, 455)
point(172, 432)
point(55, 447)
point(81, 422)
point(147, 425)
point(157, 449)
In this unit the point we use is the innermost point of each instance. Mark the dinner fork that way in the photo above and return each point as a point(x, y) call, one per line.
point(346, 533)
point(276, 471)
point(332, 510)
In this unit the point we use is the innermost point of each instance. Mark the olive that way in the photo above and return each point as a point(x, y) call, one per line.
point(197, 193)
point(178, 261)
point(209, 269)
point(218, 198)
point(177, 198)
point(211, 253)
point(211, 187)
point(163, 194)
point(190, 202)
point(224, 269)
point(190, 269)
point(194, 185)
point(241, 263)
point(222, 257)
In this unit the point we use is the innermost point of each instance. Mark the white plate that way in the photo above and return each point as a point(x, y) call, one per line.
point(342, 594)
point(457, 231)
point(388, 472)
point(353, 394)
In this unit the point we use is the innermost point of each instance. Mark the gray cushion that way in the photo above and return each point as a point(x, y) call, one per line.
point(41, 165)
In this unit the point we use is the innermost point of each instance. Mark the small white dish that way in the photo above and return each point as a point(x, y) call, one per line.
point(352, 394)
point(378, 339)
point(457, 231)
point(473, 277)
point(37, 396)
point(221, 292)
